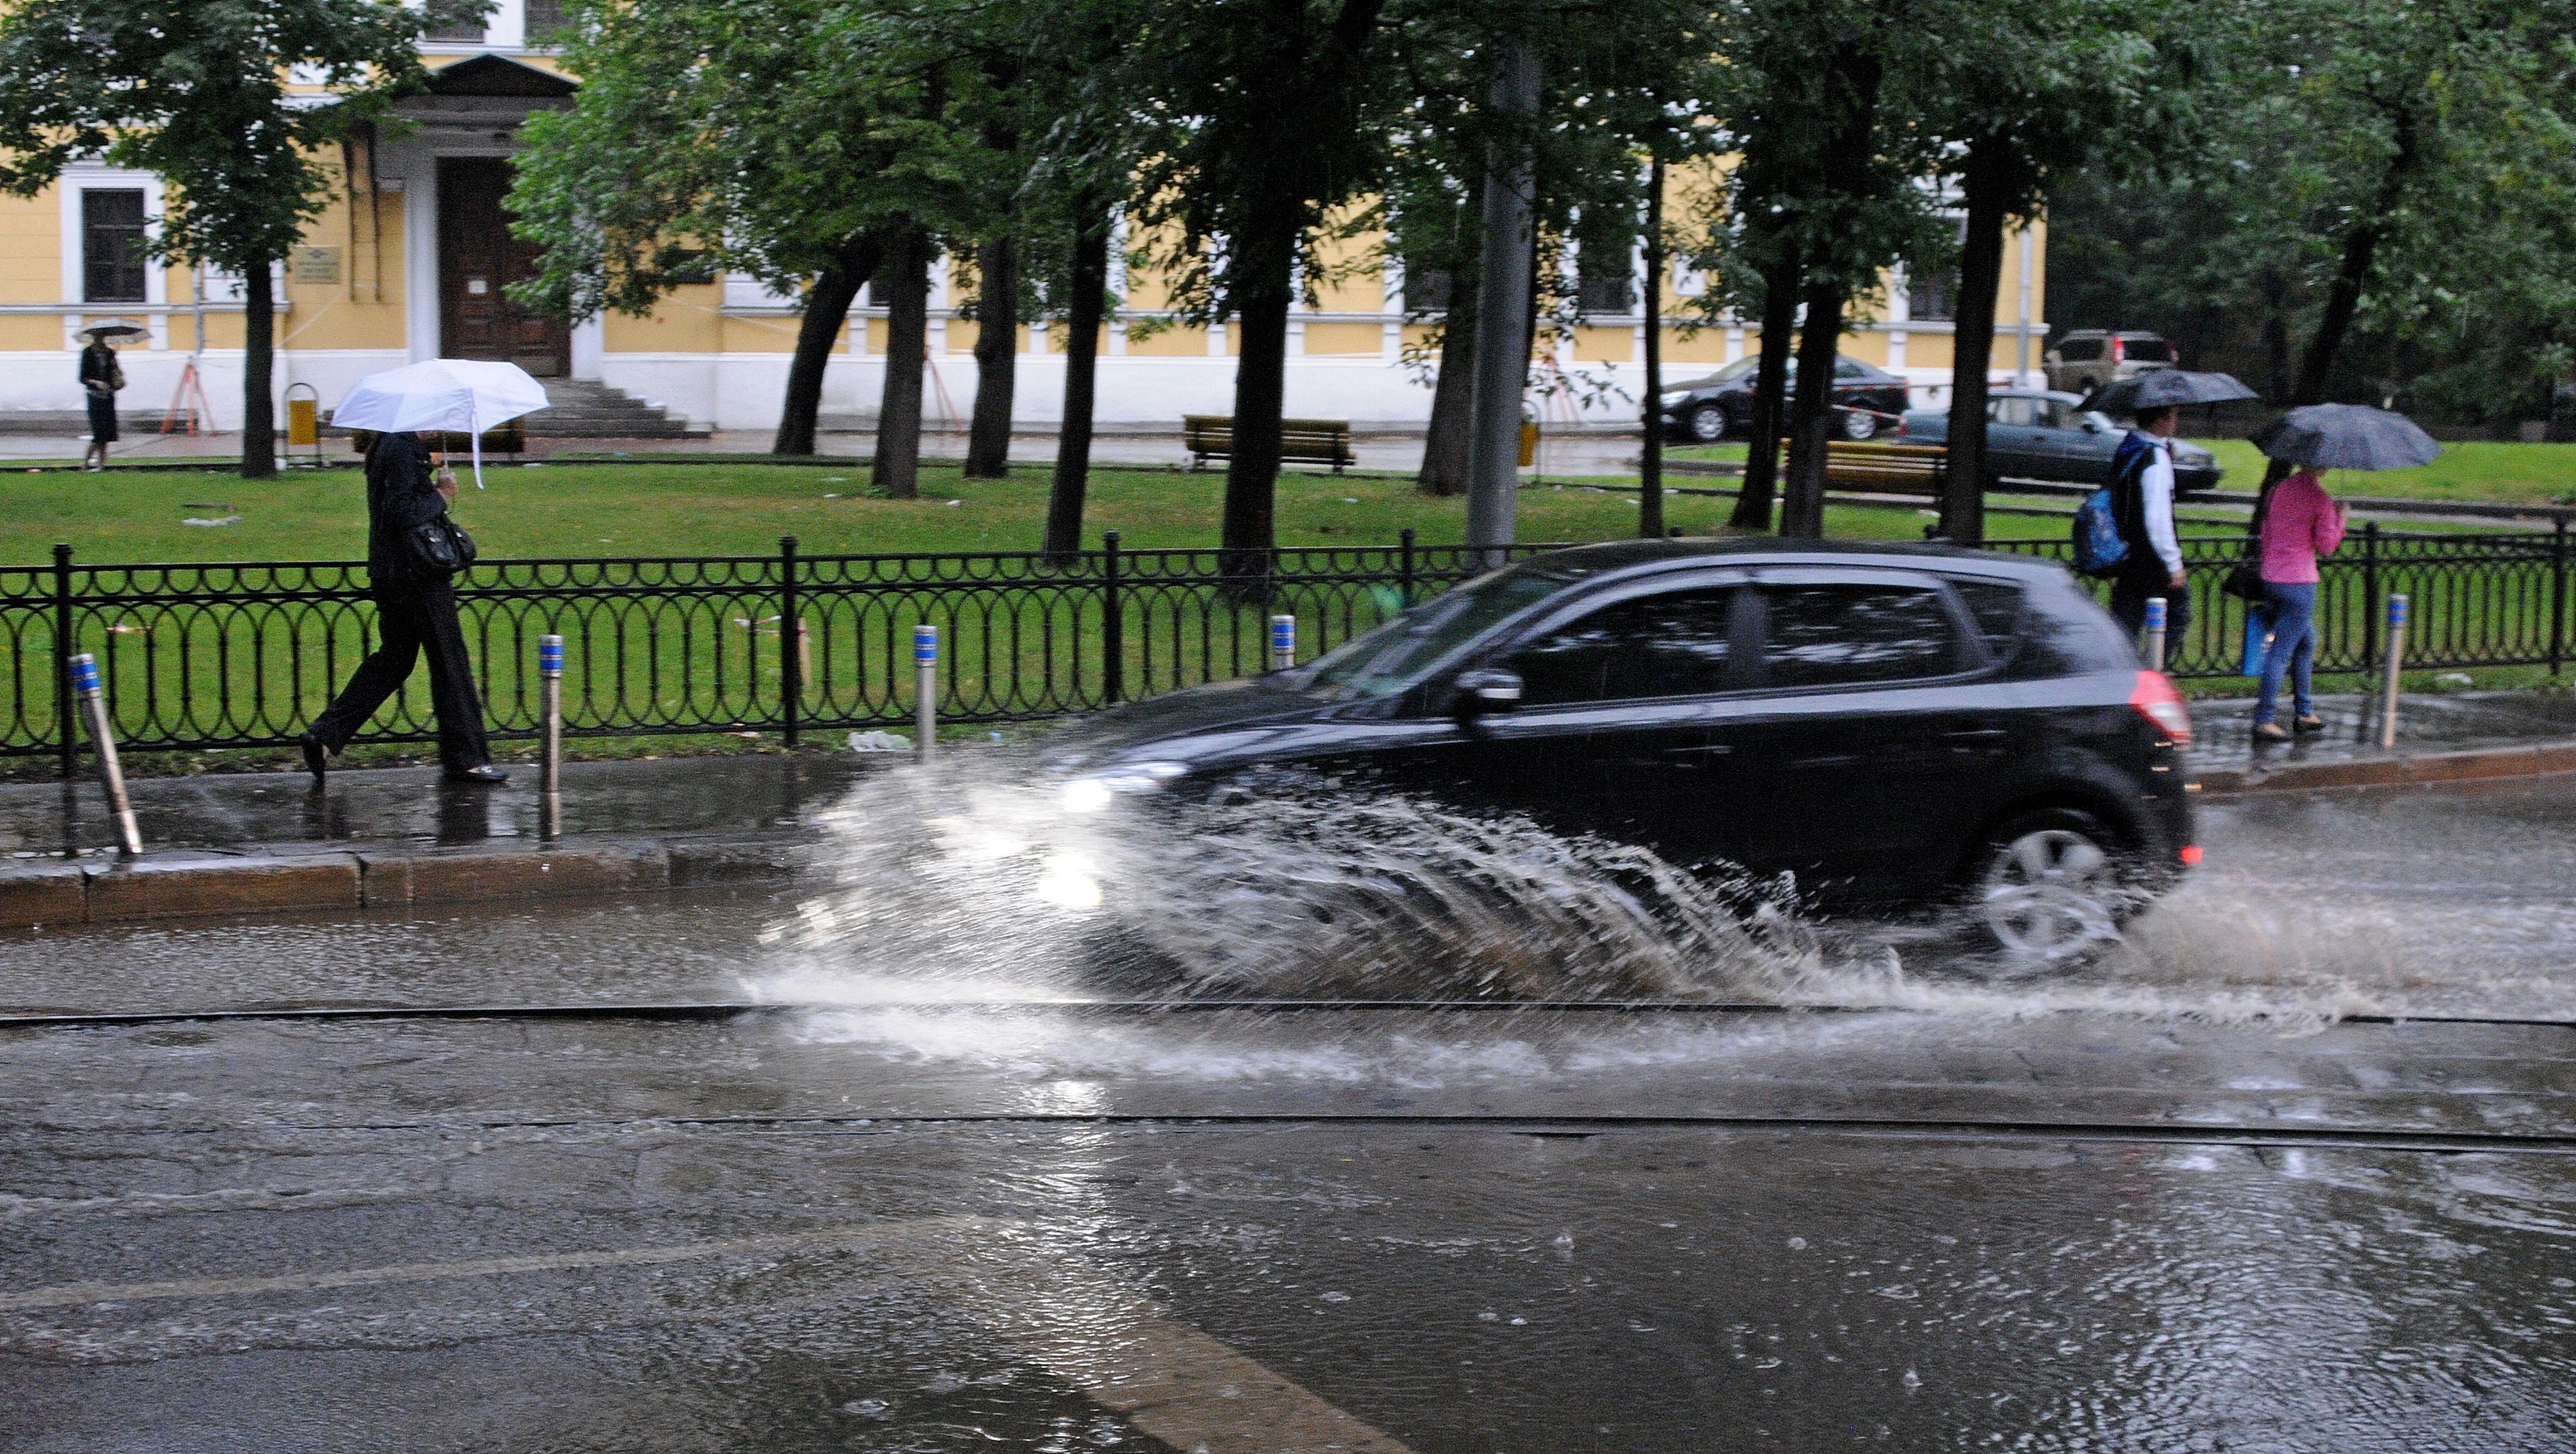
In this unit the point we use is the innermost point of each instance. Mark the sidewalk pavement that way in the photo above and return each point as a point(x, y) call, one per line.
point(1588, 453)
point(228, 842)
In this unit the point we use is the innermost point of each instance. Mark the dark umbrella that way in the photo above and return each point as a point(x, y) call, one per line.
point(2159, 387)
point(112, 332)
point(2346, 437)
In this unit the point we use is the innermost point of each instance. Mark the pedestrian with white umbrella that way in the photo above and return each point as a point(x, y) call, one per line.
point(413, 549)
point(2297, 521)
point(100, 378)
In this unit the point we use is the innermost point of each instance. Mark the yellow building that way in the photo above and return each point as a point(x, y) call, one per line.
point(411, 261)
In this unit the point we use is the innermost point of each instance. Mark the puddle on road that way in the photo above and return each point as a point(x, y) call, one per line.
point(967, 887)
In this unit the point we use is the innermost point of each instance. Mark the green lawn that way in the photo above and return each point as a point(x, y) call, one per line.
point(742, 507)
point(2483, 470)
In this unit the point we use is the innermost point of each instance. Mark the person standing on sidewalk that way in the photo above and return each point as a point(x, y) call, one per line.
point(408, 487)
point(100, 378)
point(2300, 522)
point(2142, 491)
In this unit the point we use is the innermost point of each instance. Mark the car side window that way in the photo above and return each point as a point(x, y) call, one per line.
point(1996, 608)
point(2080, 350)
point(1676, 644)
point(1820, 636)
point(1846, 369)
point(2054, 414)
point(2012, 411)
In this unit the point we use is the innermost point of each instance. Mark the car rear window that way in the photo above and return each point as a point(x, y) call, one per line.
point(2080, 350)
point(2146, 350)
point(2069, 633)
point(1678, 643)
point(1848, 635)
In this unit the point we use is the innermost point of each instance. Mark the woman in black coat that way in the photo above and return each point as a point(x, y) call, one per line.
point(100, 378)
point(415, 615)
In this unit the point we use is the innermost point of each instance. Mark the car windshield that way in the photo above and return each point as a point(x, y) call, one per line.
point(1394, 656)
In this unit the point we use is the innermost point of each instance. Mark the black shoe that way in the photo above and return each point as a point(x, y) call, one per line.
point(316, 757)
point(487, 775)
point(2310, 723)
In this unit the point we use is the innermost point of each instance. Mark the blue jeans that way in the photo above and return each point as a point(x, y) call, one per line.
point(2293, 650)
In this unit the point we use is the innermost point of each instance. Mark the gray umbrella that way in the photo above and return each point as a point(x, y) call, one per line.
point(2157, 388)
point(2346, 437)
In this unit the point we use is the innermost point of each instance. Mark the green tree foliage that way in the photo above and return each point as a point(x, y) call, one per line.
point(2376, 205)
point(231, 102)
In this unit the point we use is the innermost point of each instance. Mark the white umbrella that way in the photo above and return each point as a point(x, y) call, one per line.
point(456, 395)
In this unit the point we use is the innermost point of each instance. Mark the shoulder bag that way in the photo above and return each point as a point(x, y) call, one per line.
point(441, 546)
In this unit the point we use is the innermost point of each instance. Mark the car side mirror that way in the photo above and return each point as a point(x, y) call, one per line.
point(1485, 689)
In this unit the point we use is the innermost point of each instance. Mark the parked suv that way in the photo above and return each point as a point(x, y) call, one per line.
point(1903, 725)
point(2089, 358)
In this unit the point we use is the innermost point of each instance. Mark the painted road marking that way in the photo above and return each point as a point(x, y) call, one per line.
point(1170, 1381)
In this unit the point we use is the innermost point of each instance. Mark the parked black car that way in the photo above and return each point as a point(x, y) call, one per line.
point(1893, 725)
point(1707, 410)
point(2040, 434)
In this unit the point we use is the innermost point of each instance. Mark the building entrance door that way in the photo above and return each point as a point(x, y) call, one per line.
point(477, 258)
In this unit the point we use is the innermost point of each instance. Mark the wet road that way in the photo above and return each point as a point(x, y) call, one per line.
point(2179, 1199)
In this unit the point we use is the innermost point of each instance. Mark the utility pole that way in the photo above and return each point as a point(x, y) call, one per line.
point(1503, 310)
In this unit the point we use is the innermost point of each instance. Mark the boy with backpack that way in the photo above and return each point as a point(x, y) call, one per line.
point(2141, 508)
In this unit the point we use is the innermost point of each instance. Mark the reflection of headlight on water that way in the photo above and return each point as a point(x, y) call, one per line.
point(1068, 881)
point(1091, 794)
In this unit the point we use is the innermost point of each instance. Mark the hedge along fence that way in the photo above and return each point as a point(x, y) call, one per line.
point(213, 656)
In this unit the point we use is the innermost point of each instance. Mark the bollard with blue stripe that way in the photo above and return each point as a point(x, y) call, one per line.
point(925, 690)
point(111, 773)
point(1283, 642)
point(2395, 664)
point(2154, 650)
point(550, 665)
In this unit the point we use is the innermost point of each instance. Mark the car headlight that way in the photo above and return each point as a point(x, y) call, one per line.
point(1092, 792)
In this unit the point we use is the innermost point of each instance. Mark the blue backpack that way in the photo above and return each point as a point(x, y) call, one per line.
point(2099, 545)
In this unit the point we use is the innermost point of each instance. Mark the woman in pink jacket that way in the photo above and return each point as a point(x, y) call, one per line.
point(2301, 523)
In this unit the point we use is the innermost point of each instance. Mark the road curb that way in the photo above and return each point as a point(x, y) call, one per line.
point(2422, 767)
point(304, 877)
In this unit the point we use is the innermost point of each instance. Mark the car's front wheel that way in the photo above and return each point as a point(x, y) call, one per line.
point(1859, 424)
point(1707, 423)
point(2048, 886)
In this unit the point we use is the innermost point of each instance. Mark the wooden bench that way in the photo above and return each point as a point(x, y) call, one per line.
point(1301, 441)
point(1887, 469)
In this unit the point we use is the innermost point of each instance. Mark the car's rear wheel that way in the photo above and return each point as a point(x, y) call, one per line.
point(2048, 887)
point(1707, 423)
point(1859, 424)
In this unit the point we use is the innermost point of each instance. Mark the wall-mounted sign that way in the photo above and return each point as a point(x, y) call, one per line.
point(477, 287)
point(314, 265)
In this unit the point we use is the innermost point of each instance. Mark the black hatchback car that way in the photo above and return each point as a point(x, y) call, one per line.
point(1890, 725)
point(1866, 401)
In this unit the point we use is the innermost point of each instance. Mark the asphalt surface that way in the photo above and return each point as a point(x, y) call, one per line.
point(2288, 1169)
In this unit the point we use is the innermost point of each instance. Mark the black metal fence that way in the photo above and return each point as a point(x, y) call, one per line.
point(209, 656)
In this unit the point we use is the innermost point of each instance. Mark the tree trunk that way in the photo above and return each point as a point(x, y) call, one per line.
point(1770, 388)
point(1981, 271)
point(897, 469)
point(2352, 274)
point(1811, 413)
point(1504, 315)
point(1650, 461)
point(1260, 281)
point(259, 357)
point(827, 307)
point(997, 356)
point(1081, 369)
point(1453, 394)
point(2276, 338)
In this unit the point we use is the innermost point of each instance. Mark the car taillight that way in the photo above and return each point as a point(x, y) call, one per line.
point(2158, 702)
point(2119, 350)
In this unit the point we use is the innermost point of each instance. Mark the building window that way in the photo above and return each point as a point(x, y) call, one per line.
point(544, 18)
point(1605, 268)
point(1427, 289)
point(456, 22)
point(1932, 294)
point(112, 262)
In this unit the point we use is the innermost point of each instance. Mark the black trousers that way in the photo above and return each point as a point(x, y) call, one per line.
point(413, 619)
point(2130, 590)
